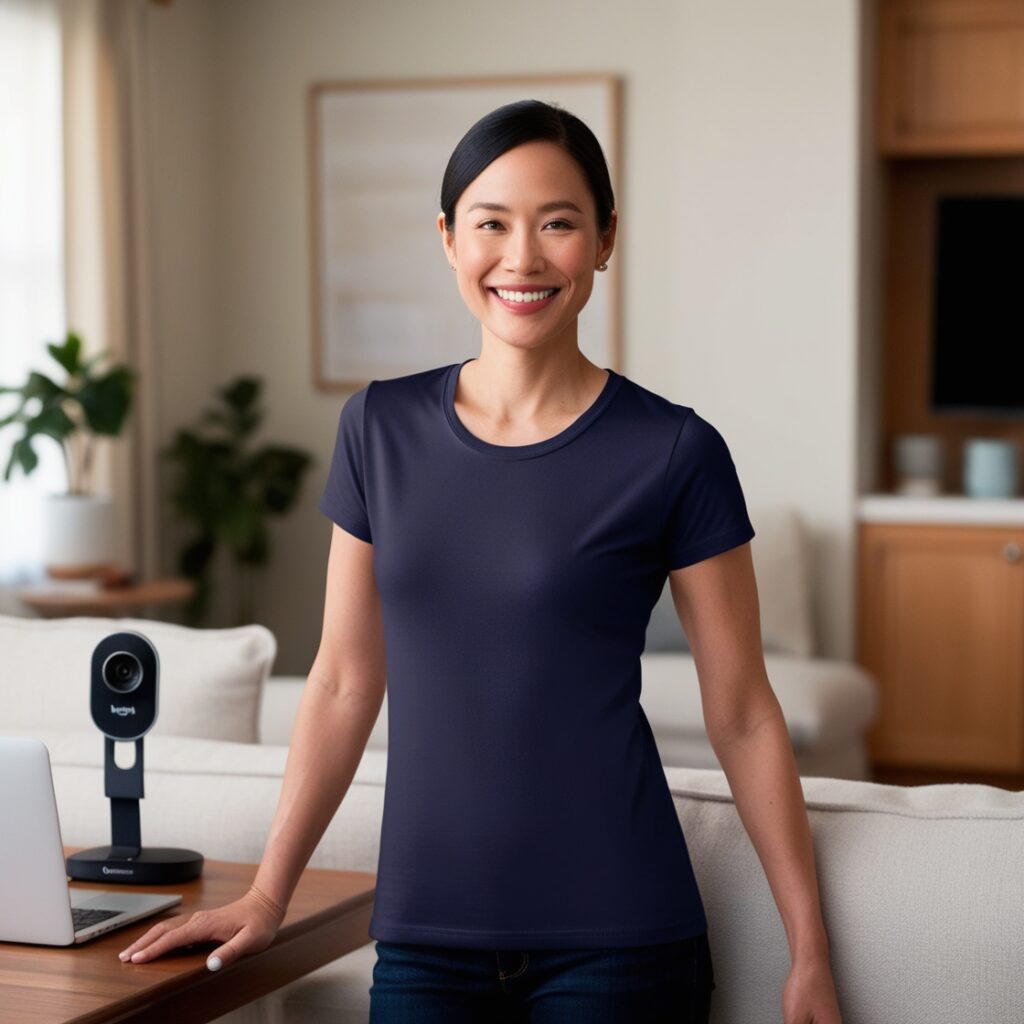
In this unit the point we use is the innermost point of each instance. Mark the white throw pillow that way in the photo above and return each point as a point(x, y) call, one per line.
point(211, 680)
point(781, 553)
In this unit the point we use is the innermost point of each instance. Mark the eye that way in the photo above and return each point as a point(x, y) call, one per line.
point(559, 224)
point(487, 224)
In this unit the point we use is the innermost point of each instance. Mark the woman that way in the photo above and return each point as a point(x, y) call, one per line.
point(512, 519)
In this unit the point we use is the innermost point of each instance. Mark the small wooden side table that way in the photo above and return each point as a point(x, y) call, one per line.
point(87, 984)
point(61, 598)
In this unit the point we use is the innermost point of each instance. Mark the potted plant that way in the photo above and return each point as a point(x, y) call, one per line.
point(227, 492)
point(91, 404)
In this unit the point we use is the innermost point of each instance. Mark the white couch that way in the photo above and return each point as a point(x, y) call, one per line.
point(921, 886)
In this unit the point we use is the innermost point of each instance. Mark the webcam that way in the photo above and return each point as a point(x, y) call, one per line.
point(124, 687)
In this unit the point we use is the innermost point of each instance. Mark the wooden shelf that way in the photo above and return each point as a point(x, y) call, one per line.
point(57, 599)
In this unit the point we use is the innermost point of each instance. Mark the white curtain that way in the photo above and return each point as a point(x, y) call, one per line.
point(32, 306)
point(74, 249)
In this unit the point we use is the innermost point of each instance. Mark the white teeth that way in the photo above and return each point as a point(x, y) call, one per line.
point(524, 296)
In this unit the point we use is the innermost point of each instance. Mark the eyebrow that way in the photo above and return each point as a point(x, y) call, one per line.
point(558, 204)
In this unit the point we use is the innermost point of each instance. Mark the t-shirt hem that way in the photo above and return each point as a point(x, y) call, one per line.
point(348, 524)
point(587, 938)
point(712, 546)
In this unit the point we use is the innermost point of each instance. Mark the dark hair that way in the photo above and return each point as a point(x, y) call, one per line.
point(512, 125)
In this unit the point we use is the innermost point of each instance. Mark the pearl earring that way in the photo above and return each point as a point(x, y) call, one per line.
point(602, 266)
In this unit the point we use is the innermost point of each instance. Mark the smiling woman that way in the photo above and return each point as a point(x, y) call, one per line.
point(503, 529)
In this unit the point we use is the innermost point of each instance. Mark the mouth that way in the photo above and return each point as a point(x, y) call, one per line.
point(524, 300)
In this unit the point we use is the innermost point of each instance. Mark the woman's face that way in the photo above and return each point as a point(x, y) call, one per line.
point(526, 244)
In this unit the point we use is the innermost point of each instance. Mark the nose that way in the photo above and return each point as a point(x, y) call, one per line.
point(523, 253)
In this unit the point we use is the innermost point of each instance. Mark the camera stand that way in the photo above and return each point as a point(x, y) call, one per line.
point(126, 859)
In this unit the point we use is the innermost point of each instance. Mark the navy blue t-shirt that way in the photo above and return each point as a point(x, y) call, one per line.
point(525, 803)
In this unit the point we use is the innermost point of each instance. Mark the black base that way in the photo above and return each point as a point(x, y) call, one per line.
point(152, 866)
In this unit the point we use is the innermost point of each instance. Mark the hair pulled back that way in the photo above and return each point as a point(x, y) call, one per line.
point(517, 123)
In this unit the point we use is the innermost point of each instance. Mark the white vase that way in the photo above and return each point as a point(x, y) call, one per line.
point(79, 534)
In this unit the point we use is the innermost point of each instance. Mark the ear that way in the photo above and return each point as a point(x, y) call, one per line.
point(607, 241)
point(447, 239)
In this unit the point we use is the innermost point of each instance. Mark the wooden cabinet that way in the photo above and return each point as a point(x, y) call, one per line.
point(951, 77)
point(941, 627)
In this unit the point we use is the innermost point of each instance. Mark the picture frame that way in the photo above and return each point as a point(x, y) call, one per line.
point(384, 303)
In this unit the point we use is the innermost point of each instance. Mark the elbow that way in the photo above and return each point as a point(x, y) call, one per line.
point(727, 726)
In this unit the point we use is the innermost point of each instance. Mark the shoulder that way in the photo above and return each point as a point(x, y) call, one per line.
point(386, 397)
point(394, 393)
point(656, 413)
point(689, 438)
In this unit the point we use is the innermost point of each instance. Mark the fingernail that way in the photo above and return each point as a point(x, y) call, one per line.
point(214, 963)
point(123, 955)
point(137, 956)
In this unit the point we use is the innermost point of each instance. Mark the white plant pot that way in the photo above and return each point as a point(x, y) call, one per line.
point(79, 534)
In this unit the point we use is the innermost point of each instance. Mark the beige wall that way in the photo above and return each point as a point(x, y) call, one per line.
point(739, 227)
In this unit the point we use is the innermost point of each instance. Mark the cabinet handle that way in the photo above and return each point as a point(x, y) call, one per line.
point(1011, 552)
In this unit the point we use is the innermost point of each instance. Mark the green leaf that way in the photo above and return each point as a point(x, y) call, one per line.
point(107, 400)
point(68, 354)
point(25, 456)
point(242, 393)
point(51, 420)
point(40, 386)
point(277, 475)
point(195, 557)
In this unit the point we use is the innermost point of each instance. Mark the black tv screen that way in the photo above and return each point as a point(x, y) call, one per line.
point(978, 307)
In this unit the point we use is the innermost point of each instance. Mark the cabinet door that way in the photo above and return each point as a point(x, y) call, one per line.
point(941, 626)
point(951, 77)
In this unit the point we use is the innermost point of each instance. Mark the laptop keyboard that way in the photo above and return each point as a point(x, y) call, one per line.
point(84, 917)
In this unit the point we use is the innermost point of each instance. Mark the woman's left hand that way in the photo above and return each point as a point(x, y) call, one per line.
point(809, 995)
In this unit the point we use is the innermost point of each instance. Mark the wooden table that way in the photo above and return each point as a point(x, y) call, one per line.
point(329, 916)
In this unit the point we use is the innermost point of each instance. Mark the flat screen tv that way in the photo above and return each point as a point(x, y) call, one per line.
point(978, 306)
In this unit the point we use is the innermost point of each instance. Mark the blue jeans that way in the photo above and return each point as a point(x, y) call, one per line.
point(665, 982)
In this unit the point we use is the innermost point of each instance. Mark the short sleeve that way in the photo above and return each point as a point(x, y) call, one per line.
point(344, 496)
point(706, 512)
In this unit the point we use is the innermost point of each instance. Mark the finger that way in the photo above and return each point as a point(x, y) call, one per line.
point(144, 940)
point(184, 935)
point(227, 954)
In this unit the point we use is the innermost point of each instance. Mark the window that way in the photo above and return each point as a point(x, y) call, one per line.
point(31, 260)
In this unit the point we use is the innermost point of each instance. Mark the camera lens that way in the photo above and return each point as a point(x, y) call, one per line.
point(122, 672)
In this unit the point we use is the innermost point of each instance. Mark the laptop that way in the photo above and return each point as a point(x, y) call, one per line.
point(36, 903)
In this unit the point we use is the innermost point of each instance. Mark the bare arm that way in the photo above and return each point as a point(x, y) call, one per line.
point(717, 604)
point(339, 705)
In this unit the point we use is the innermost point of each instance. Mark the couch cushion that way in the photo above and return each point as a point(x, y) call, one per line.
point(782, 558)
point(824, 702)
point(211, 680)
point(920, 890)
point(782, 565)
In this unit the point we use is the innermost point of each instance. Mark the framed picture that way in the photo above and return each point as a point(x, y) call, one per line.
point(385, 303)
